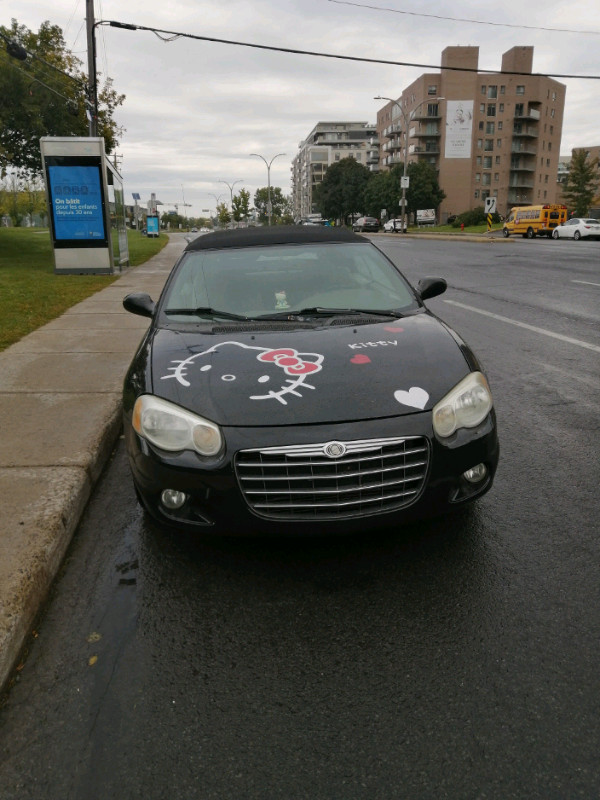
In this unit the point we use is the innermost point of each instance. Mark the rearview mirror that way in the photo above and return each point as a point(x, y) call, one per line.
point(139, 303)
point(431, 287)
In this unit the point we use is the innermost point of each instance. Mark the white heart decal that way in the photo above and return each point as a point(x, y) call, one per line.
point(415, 397)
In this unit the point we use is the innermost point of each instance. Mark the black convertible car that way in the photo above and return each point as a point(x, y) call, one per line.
point(292, 380)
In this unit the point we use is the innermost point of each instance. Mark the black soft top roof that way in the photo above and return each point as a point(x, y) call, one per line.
point(275, 234)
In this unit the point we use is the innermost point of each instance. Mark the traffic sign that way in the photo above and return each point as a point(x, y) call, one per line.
point(490, 205)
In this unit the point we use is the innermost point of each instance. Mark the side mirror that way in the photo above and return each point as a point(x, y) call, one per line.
point(431, 287)
point(139, 303)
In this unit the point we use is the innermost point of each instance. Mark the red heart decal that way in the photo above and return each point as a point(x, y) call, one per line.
point(393, 330)
point(360, 359)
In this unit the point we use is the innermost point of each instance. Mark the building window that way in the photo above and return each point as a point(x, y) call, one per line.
point(487, 179)
point(498, 142)
point(502, 89)
point(547, 162)
point(478, 161)
point(483, 89)
point(549, 146)
point(520, 90)
point(432, 89)
point(497, 159)
point(499, 126)
point(491, 110)
point(479, 144)
point(496, 176)
point(552, 113)
point(492, 92)
point(501, 108)
point(489, 144)
point(477, 177)
point(545, 179)
point(432, 109)
point(337, 156)
point(551, 130)
point(487, 162)
point(553, 97)
point(490, 127)
point(481, 126)
point(476, 193)
point(545, 194)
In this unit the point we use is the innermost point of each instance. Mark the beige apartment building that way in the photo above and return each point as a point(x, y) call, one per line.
point(327, 143)
point(487, 134)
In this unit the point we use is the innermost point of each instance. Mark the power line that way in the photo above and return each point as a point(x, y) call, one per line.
point(177, 34)
point(461, 19)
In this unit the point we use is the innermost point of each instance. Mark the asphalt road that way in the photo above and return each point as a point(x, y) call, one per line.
point(452, 660)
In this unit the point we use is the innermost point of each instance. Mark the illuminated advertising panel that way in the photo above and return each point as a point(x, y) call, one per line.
point(76, 202)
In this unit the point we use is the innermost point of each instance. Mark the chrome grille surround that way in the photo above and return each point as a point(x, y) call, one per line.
point(334, 479)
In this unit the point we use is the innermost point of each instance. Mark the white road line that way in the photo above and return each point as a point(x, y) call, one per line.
point(588, 283)
point(533, 328)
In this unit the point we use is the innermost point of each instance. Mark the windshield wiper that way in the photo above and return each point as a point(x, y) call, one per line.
point(206, 311)
point(319, 311)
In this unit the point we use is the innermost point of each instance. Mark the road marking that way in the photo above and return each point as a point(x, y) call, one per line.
point(533, 328)
point(588, 283)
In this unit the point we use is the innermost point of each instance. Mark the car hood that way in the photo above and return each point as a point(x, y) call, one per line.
point(328, 374)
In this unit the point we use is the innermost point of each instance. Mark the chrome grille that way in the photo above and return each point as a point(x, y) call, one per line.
point(303, 482)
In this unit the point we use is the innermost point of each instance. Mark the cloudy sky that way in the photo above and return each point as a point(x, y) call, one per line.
point(195, 110)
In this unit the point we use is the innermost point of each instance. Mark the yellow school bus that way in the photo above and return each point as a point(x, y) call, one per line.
point(532, 221)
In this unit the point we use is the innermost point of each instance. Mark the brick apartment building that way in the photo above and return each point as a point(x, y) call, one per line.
point(487, 135)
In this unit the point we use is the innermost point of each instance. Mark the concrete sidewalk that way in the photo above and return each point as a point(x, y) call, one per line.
point(60, 416)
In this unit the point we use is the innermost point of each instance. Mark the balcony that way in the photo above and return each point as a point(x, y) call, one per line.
point(520, 197)
point(531, 113)
point(518, 182)
point(427, 150)
point(426, 133)
point(423, 114)
point(524, 148)
point(522, 166)
point(392, 129)
point(525, 131)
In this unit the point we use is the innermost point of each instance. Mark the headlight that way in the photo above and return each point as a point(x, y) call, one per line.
point(465, 406)
point(172, 428)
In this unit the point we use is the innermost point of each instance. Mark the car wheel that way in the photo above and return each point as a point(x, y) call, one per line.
point(506, 233)
point(577, 235)
point(555, 234)
point(530, 233)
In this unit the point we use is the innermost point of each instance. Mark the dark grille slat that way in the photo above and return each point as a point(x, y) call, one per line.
point(301, 482)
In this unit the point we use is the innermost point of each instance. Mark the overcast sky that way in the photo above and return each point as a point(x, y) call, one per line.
point(195, 110)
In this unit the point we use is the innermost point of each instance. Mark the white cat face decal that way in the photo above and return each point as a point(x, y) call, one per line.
point(272, 365)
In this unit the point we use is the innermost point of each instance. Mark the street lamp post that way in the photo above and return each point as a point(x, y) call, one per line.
point(231, 185)
point(407, 120)
point(268, 163)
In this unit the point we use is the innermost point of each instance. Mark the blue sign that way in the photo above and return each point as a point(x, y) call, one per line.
point(152, 225)
point(76, 196)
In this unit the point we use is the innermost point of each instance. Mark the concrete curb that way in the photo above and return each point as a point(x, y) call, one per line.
point(60, 406)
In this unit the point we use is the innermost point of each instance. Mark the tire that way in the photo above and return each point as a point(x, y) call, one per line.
point(555, 234)
point(530, 233)
point(577, 236)
point(505, 233)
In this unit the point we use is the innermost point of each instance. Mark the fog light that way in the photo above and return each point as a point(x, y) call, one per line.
point(475, 474)
point(172, 499)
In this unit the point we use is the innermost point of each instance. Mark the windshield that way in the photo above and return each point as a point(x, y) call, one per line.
point(261, 281)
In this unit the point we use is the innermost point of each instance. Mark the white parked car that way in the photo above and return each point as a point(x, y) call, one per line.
point(395, 226)
point(578, 228)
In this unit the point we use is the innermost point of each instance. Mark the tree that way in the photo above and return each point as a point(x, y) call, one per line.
point(281, 205)
point(45, 95)
point(342, 191)
point(241, 205)
point(223, 215)
point(582, 182)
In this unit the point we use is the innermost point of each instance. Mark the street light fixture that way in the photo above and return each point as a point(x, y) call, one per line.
point(231, 185)
point(268, 163)
point(407, 120)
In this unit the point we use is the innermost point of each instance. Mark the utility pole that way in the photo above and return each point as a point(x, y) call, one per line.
point(92, 105)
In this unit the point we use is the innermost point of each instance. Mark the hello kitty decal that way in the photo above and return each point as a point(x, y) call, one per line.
point(287, 360)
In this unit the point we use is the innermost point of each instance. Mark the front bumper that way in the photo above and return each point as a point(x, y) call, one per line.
point(215, 502)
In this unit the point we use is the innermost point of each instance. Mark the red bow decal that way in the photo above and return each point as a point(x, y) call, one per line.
point(289, 361)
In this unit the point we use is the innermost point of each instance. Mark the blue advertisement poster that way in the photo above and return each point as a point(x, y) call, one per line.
point(76, 197)
point(152, 226)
